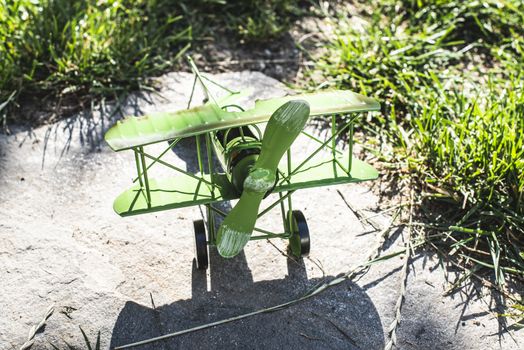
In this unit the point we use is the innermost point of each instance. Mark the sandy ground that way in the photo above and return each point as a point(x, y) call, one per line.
point(133, 278)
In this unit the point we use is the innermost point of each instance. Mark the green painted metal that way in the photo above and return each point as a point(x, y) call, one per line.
point(269, 236)
point(227, 151)
point(324, 174)
point(280, 199)
point(139, 172)
point(287, 181)
point(139, 131)
point(251, 176)
point(170, 193)
point(282, 129)
point(184, 191)
point(144, 175)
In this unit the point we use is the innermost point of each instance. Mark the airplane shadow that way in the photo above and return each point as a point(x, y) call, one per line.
point(186, 151)
point(342, 317)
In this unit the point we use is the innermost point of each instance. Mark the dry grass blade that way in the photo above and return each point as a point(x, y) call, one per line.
point(501, 289)
point(3, 115)
point(392, 330)
point(35, 328)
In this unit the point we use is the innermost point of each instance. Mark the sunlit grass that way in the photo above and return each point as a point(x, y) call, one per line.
point(58, 49)
point(450, 77)
point(71, 52)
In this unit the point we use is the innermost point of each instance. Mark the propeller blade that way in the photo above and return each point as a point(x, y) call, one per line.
point(282, 129)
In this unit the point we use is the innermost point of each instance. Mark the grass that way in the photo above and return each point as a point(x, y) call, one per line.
point(251, 20)
point(69, 53)
point(451, 82)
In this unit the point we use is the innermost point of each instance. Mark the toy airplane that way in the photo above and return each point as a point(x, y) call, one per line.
point(251, 163)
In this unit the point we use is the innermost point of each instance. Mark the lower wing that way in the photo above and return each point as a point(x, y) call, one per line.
point(184, 191)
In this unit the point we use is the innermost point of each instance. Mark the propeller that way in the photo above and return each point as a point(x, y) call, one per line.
point(282, 129)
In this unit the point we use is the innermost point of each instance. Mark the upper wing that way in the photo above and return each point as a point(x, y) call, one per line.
point(140, 131)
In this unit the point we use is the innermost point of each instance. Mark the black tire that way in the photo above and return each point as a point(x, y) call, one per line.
point(299, 242)
point(201, 256)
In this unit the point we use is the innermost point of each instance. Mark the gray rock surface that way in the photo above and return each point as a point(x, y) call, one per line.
point(133, 278)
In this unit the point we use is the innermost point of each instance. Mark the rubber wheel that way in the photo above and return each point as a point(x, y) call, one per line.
point(200, 245)
point(299, 242)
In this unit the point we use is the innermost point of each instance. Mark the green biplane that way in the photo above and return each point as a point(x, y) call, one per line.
point(253, 163)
